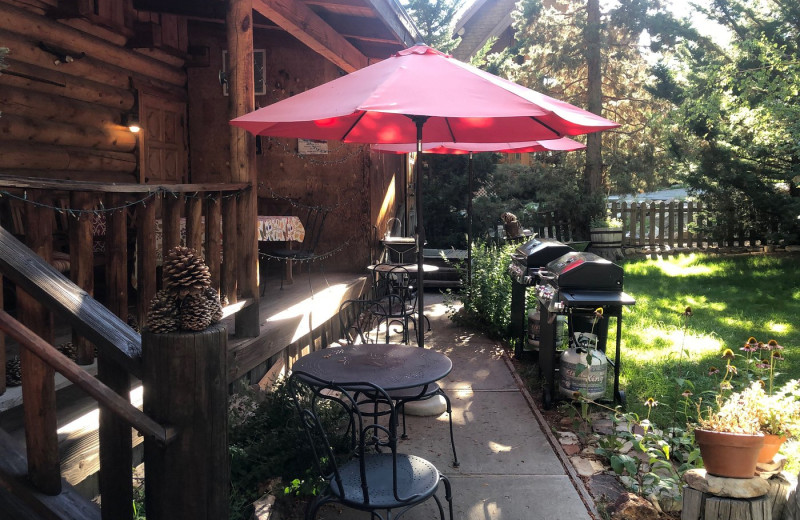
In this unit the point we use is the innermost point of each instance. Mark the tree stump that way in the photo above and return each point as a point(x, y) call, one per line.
point(703, 506)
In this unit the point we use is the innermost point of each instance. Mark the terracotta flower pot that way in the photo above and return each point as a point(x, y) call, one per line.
point(772, 443)
point(731, 455)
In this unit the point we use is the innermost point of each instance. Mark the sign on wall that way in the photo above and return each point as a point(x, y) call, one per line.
point(312, 147)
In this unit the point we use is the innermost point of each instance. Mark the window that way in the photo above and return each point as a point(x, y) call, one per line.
point(259, 71)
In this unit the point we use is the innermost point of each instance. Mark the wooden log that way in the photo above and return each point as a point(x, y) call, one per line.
point(22, 22)
point(81, 260)
point(15, 154)
point(229, 226)
point(38, 378)
point(116, 449)
point(88, 67)
point(185, 386)
point(698, 505)
point(116, 253)
point(39, 106)
point(114, 137)
point(239, 29)
point(74, 175)
point(171, 223)
point(194, 228)
point(214, 240)
point(61, 185)
point(146, 258)
point(59, 85)
point(2, 346)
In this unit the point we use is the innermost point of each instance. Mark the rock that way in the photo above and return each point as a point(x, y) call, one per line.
point(608, 486)
point(768, 469)
point(625, 448)
point(567, 438)
point(792, 248)
point(603, 426)
point(726, 487)
point(586, 467)
point(633, 507)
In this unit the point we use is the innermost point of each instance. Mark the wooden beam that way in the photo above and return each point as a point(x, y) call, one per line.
point(397, 20)
point(113, 137)
point(17, 154)
point(301, 22)
point(81, 264)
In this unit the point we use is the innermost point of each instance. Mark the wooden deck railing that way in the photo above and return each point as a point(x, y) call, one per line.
point(115, 227)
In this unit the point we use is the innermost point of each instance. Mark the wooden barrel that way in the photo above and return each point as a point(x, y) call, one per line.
point(606, 238)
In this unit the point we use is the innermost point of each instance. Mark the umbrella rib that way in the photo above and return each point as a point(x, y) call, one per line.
point(362, 114)
point(559, 134)
point(450, 129)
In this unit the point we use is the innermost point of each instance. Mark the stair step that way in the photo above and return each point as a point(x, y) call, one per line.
point(68, 505)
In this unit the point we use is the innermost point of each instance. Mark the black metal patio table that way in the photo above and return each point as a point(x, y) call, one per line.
point(389, 366)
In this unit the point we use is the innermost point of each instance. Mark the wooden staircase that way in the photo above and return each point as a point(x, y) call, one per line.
point(20, 501)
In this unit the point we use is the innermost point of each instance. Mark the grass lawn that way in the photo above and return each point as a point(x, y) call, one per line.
point(732, 298)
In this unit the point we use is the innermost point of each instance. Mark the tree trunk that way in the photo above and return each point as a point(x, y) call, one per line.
point(593, 175)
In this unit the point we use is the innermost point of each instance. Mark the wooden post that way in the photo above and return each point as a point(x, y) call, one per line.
point(239, 28)
point(2, 346)
point(662, 229)
point(171, 223)
point(703, 506)
point(670, 224)
point(652, 240)
point(214, 239)
point(185, 386)
point(38, 379)
point(681, 216)
point(146, 258)
point(116, 452)
point(228, 283)
point(81, 263)
point(194, 228)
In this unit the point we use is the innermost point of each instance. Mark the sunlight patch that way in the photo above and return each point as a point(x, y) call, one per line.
point(780, 328)
point(685, 268)
point(499, 448)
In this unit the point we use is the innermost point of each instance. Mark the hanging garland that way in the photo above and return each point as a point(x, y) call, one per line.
point(77, 212)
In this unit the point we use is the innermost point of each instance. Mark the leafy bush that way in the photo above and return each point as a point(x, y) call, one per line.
point(487, 299)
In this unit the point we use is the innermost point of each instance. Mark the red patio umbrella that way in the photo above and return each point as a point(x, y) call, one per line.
point(421, 94)
point(565, 144)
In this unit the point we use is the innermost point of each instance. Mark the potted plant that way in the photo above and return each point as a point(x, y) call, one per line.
point(606, 231)
point(779, 416)
point(730, 436)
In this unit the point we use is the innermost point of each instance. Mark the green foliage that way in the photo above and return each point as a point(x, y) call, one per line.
point(139, 512)
point(737, 129)
point(434, 19)
point(266, 443)
point(487, 300)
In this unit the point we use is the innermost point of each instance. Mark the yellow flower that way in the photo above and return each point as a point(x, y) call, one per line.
point(728, 354)
point(650, 403)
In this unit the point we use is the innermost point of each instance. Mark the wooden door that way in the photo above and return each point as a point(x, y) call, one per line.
point(162, 144)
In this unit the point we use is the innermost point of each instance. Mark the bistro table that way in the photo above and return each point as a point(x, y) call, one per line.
point(389, 366)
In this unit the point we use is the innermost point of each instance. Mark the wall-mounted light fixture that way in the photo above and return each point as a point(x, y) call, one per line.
point(131, 120)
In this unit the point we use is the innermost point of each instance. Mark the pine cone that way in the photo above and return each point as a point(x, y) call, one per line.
point(215, 305)
point(13, 372)
point(196, 312)
point(162, 316)
point(185, 271)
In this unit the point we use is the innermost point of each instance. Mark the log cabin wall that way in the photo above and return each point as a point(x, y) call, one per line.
point(74, 73)
point(348, 177)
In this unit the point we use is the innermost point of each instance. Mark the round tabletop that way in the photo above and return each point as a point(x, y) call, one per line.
point(409, 268)
point(389, 366)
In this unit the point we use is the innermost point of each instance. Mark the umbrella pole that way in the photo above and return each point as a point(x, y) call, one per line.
point(420, 121)
point(469, 223)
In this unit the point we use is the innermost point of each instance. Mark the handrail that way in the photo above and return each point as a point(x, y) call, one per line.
point(11, 181)
point(100, 392)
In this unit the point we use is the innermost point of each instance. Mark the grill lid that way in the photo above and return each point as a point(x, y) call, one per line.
point(585, 271)
point(539, 251)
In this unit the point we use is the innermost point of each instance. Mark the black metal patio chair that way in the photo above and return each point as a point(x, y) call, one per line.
point(362, 322)
point(356, 455)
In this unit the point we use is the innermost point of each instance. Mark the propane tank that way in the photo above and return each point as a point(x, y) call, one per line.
point(534, 329)
point(583, 370)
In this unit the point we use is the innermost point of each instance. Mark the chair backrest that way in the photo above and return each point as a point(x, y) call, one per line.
point(313, 218)
point(394, 282)
point(360, 320)
point(341, 422)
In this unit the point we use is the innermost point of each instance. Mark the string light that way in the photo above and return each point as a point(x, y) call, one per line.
point(77, 212)
point(295, 204)
point(313, 257)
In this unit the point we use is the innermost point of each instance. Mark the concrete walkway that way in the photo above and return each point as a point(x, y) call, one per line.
point(511, 466)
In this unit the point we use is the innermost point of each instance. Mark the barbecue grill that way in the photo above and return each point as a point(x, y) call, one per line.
point(576, 284)
point(526, 262)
